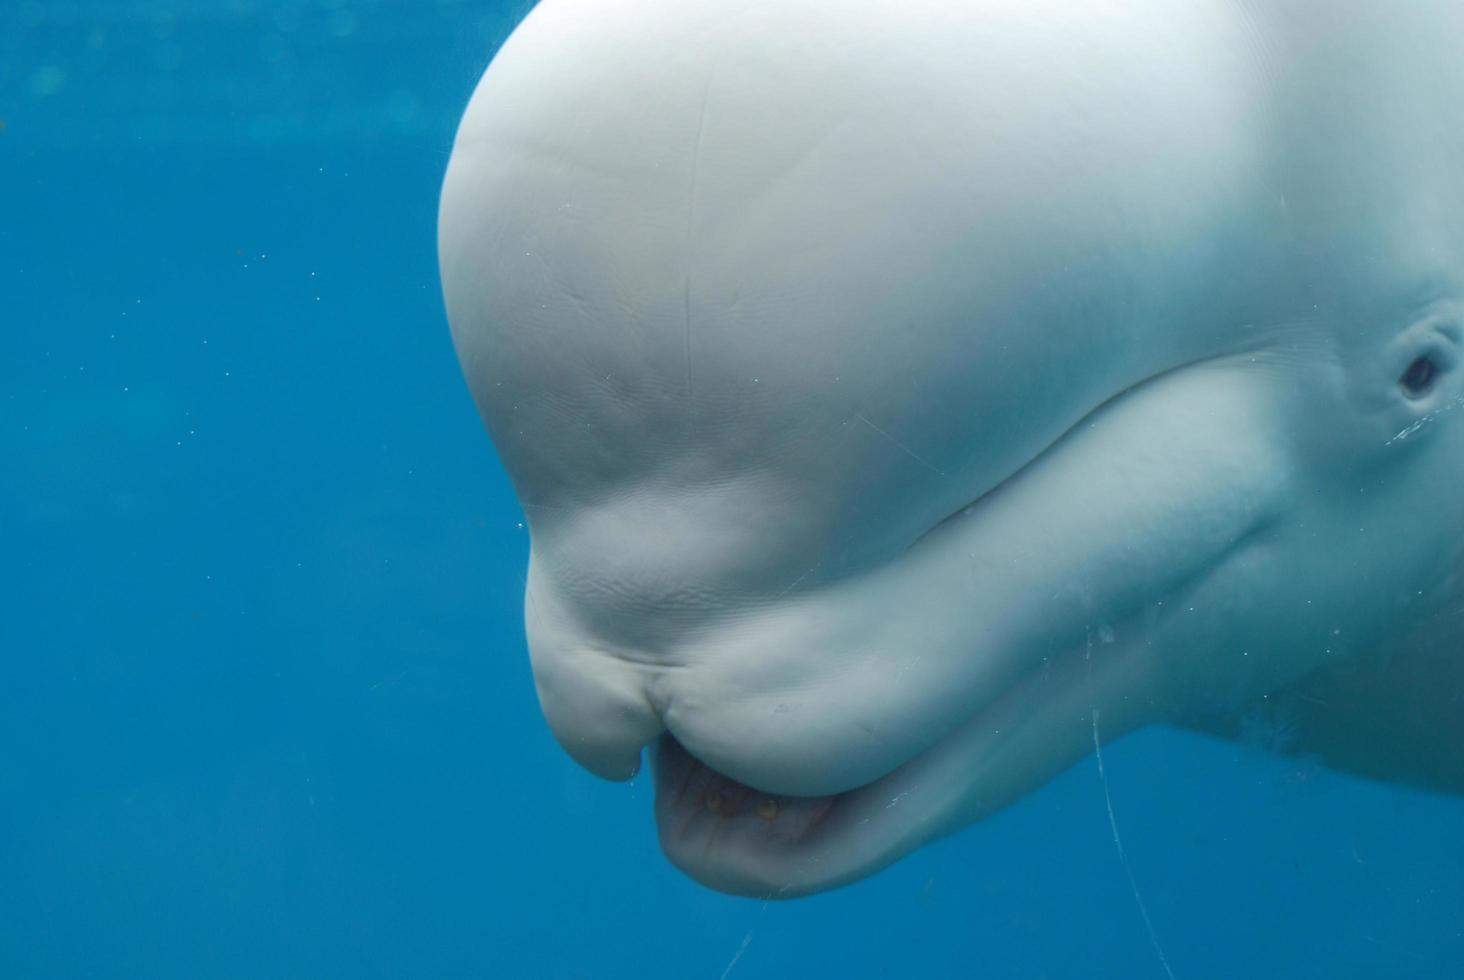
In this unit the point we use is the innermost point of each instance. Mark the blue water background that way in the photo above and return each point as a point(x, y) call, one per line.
point(265, 707)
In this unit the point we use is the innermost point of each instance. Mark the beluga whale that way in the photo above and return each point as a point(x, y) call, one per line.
point(908, 397)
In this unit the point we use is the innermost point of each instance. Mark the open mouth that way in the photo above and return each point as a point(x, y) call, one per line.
point(737, 839)
point(694, 799)
point(732, 836)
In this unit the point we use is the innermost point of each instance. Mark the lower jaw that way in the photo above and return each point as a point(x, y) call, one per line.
point(736, 839)
point(693, 797)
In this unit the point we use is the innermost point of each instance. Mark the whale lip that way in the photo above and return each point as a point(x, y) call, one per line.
point(737, 839)
point(740, 840)
point(704, 817)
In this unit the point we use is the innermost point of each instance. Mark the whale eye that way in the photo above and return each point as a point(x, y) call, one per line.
point(1419, 377)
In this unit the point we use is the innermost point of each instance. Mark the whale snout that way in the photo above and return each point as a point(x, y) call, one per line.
point(598, 713)
point(595, 698)
point(791, 697)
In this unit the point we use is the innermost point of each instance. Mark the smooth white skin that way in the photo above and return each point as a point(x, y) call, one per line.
point(896, 390)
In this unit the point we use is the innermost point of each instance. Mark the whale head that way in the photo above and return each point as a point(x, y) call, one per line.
point(904, 397)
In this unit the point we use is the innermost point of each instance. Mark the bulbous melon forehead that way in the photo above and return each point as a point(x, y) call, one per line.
point(791, 131)
point(709, 219)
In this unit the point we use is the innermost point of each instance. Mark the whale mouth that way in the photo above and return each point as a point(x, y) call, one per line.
point(732, 836)
point(693, 799)
point(738, 839)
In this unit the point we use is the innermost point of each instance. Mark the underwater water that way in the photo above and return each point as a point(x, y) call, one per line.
point(265, 708)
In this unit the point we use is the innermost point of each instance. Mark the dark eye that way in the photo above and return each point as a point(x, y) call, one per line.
point(1419, 377)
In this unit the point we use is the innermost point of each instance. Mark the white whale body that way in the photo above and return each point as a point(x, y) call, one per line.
point(902, 394)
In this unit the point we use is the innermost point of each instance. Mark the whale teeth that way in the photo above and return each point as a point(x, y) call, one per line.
point(713, 801)
point(767, 809)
